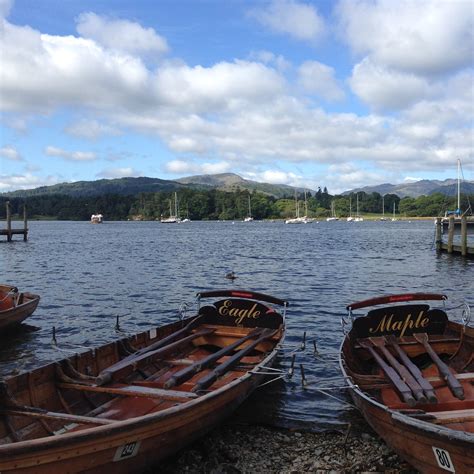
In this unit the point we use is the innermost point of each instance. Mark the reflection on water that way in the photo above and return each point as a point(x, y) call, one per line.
point(87, 275)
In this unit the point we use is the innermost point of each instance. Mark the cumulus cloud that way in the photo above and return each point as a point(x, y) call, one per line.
point(44, 72)
point(70, 155)
point(10, 153)
point(276, 177)
point(181, 167)
point(222, 85)
point(414, 36)
point(121, 35)
point(319, 79)
point(91, 129)
point(297, 19)
point(110, 173)
point(26, 181)
point(387, 89)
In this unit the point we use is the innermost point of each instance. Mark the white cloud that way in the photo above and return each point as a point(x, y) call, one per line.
point(10, 153)
point(91, 129)
point(414, 36)
point(225, 85)
point(275, 177)
point(383, 88)
point(27, 181)
point(181, 167)
point(43, 72)
point(70, 155)
point(110, 173)
point(121, 35)
point(269, 58)
point(297, 19)
point(319, 79)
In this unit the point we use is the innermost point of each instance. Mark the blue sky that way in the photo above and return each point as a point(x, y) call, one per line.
point(310, 93)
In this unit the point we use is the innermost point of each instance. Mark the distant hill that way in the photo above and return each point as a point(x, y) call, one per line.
point(122, 186)
point(232, 182)
point(227, 182)
point(424, 187)
point(133, 186)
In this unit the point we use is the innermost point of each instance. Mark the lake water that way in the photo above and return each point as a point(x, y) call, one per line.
point(87, 275)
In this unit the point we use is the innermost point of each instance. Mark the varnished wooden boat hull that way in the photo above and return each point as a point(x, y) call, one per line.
point(15, 315)
point(158, 436)
point(131, 442)
point(414, 440)
point(421, 443)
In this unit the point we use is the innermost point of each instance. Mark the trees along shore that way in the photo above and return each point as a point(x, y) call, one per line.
point(222, 205)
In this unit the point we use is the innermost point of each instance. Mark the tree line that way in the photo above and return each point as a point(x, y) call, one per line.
point(222, 205)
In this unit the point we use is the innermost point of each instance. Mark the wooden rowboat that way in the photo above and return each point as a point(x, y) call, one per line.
point(125, 405)
point(411, 372)
point(15, 306)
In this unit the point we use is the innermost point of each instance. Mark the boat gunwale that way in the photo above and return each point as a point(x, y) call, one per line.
point(440, 431)
point(92, 433)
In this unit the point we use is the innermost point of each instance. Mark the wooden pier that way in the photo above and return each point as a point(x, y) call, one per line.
point(9, 232)
point(464, 249)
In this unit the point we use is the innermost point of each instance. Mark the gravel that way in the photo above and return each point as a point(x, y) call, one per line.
point(257, 449)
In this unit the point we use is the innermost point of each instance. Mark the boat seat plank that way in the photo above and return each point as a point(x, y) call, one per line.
point(132, 391)
point(452, 416)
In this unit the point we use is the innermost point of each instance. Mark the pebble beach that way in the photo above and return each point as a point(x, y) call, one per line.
point(235, 448)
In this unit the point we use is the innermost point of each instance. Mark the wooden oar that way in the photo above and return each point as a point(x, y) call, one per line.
point(391, 374)
point(415, 371)
point(402, 370)
point(453, 384)
point(166, 340)
point(127, 365)
point(221, 369)
point(40, 413)
point(186, 373)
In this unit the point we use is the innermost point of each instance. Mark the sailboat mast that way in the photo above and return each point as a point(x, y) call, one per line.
point(458, 210)
point(176, 204)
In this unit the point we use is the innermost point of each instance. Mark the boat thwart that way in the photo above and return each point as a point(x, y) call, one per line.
point(410, 372)
point(128, 404)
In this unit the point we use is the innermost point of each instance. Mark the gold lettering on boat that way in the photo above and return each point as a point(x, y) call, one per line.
point(238, 313)
point(387, 325)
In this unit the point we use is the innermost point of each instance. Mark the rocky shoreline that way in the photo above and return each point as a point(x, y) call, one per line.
point(257, 449)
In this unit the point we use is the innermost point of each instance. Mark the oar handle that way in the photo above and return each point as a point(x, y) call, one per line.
point(416, 372)
point(452, 381)
point(399, 384)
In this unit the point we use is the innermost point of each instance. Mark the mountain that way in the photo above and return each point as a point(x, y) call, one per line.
point(123, 186)
point(133, 186)
point(232, 182)
point(418, 188)
point(228, 182)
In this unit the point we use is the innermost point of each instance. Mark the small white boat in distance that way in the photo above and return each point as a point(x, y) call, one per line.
point(97, 218)
point(333, 213)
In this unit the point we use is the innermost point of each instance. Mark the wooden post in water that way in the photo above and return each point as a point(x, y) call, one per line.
point(9, 222)
point(25, 224)
point(438, 238)
point(464, 236)
point(450, 234)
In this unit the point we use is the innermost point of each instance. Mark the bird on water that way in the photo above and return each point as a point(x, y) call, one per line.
point(231, 276)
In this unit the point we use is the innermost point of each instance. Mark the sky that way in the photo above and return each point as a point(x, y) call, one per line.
point(337, 94)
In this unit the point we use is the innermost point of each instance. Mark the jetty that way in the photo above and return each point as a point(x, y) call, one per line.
point(462, 247)
point(9, 232)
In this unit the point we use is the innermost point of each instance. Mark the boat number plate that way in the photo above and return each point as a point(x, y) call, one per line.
point(443, 458)
point(127, 451)
point(152, 333)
